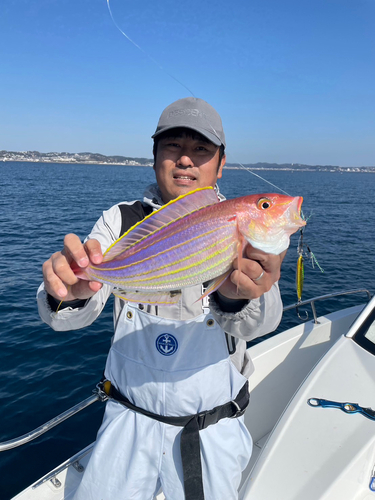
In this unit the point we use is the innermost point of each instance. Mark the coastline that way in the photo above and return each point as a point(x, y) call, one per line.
point(133, 163)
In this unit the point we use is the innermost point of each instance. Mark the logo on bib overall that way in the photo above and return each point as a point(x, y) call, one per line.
point(166, 344)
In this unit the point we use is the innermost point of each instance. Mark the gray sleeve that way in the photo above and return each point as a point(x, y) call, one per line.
point(257, 318)
point(106, 231)
point(72, 318)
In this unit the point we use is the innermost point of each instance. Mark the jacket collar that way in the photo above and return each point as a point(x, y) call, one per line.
point(152, 196)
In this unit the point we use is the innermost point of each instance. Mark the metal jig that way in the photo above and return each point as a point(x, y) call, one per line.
point(303, 251)
point(300, 275)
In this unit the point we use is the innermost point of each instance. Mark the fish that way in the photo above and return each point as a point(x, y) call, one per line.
point(191, 240)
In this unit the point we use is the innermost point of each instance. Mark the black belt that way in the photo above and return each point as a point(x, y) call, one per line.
point(192, 424)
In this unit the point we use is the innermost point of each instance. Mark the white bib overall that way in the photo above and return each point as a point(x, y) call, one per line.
point(171, 368)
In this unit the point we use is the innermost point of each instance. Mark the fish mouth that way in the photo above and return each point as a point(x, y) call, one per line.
point(299, 213)
point(299, 204)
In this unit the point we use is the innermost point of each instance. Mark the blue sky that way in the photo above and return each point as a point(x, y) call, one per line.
point(294, 81)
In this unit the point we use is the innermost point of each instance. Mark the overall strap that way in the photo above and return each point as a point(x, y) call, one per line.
point(192, 424)
point(131, 214)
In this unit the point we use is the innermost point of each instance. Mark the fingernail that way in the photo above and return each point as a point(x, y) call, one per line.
point(97, 286)
point(61, 292)
point(83, 262)
point(96, 257)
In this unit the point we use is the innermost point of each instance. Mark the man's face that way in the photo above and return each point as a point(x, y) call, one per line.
point(185, 163)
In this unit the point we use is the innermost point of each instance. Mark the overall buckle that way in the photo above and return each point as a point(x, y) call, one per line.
point(239, 411)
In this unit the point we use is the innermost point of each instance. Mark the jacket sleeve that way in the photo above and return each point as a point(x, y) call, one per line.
point(106, 231)
point(257, 318)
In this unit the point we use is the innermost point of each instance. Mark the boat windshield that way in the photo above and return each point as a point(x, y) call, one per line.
point(365, 336)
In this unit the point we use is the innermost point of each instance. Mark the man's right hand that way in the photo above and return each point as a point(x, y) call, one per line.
point(59, 279)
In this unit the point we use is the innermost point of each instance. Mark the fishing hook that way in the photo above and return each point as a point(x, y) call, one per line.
point(301, 317)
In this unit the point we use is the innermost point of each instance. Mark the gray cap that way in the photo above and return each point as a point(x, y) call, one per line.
point(195, 114)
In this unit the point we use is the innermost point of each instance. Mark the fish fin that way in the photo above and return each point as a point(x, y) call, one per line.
point(172, 211)
point(215, 284)
point(154, 298)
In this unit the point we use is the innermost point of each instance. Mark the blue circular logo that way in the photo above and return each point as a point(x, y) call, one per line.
point(166, 344)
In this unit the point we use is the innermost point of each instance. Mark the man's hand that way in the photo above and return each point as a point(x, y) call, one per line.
point(59, 279)
point(259, 271)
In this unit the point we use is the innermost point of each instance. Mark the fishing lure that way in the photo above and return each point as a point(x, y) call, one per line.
point(303, 252)
point(300, 276)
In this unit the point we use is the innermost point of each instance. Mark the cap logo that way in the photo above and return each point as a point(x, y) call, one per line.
point(187, 112)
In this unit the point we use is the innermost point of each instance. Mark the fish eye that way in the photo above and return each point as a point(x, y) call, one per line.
point(264, 203)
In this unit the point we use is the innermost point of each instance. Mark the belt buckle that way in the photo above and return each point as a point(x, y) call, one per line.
point(99, 390)
point(239, 410)
point(206, 418)
point(201, 419)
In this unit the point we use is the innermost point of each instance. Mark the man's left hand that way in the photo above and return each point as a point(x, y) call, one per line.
point(259, 271)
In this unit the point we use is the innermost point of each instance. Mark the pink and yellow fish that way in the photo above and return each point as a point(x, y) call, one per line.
point(191, 240)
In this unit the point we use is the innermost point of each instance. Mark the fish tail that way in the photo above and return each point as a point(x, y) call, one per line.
point(82, 274)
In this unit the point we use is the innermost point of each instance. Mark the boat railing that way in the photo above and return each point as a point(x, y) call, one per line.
point(312, 301)
point(99, 395)
point(75, 461)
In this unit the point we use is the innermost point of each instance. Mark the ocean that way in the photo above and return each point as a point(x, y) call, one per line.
point(44, 372)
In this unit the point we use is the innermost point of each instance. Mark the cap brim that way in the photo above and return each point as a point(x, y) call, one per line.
point(206, 133)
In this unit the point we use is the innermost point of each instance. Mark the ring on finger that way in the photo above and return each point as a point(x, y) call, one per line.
point(259, 277)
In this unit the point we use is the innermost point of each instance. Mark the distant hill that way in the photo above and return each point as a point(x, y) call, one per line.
point(63, 157)
point(299, 167)
point(95, 158)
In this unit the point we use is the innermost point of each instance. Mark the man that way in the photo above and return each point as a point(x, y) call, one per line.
point(171, 362)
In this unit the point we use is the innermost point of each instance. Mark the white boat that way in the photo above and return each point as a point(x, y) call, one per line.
point(311, 415)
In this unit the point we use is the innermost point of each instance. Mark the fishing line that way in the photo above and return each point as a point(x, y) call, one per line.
point(312, 257)
point(301, 251)
point(146, 53)
point(263, 179)
point(190, 92)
